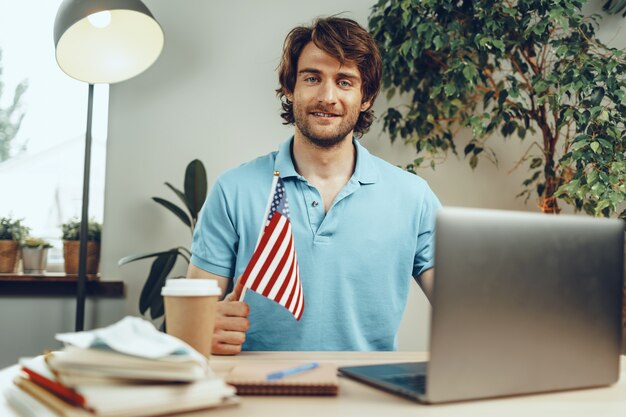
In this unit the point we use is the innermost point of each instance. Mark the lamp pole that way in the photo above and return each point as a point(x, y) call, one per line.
point(102, 41)
point(84, 224)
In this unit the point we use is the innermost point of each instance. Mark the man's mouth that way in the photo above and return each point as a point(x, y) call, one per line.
point(323, 114)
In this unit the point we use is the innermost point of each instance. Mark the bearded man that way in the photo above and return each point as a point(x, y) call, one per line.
point(361, 226)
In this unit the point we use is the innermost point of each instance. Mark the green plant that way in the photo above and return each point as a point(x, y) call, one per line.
point(530, 68)
point(12, 229)
point(34, 242)
point(10, 118)
point(615, 7)
point(193, 196)
point(71, 230)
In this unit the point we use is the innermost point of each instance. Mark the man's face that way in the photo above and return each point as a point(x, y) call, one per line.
point(327, 97)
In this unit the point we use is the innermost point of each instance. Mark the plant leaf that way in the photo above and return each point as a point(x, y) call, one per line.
point(473, 161)
point(179, 193)
point(157, 307)
point(195, 187)
point(184, 249)
point(174, 209)
point(161, 267)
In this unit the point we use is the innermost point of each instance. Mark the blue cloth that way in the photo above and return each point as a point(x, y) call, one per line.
point(356, 261)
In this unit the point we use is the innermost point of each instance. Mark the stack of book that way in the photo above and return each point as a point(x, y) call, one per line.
point(98, 381)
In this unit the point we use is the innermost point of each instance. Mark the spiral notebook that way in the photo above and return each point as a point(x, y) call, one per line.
point(251, 379)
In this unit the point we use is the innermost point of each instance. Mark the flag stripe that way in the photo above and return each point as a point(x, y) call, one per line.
point(284, 273)
point(293, 297)
point(298, 300)
point(283, 287)
point(266, 246)
point(300, 308)
point(280, 270)
point(271, 264)
point(268, 263)
point(288, 295)
point(257, 253)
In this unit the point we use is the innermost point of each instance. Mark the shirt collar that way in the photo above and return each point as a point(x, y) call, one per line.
point(365, 171)
point(283, 162)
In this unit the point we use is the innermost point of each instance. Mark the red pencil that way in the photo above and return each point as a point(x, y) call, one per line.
point(55, 387)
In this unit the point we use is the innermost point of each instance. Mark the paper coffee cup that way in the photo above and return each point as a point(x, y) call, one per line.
point(190, 309)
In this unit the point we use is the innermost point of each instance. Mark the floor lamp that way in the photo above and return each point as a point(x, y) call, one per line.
point(102, 41)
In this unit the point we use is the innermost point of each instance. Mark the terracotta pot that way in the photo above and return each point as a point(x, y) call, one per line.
point(70, 255)
point(9, 251)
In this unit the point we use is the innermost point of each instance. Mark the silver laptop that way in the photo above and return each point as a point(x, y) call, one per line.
point(523, 303)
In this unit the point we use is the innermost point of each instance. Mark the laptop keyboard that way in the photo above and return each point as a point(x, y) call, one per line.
point(411, 382)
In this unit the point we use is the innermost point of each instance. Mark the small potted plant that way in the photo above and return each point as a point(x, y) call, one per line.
point(35, 255)
point(12, 231)
point(71, 243)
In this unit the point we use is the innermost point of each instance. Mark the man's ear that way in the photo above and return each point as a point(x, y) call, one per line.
point(366, 105)
point(289, 95)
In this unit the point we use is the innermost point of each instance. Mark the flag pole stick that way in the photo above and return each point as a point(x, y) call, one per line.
point(264, 222)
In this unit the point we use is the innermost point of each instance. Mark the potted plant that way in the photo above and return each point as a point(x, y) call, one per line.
point(193, 196)
point(530, 69)
point(71, 243)
point(535, 70)
point(12, 231)
point(35, 255)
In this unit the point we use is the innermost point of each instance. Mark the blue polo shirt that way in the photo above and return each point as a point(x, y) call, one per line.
point(356, 261)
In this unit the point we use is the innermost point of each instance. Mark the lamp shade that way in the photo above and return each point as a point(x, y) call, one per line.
point(106, 41)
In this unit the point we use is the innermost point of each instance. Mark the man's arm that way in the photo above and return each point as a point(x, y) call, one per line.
point(426, 281)
point(231, 322)
point(195, 272)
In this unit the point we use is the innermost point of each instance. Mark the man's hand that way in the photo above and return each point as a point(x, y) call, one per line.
point(231, 324)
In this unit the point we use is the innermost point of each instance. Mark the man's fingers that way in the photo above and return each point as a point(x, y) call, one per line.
point(225, 349)
point(239, 324)
point(231, 323)
point(233, 309)
point(229, 338)
point(237, 290)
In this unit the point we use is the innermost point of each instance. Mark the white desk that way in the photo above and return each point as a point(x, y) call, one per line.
point(360, 400)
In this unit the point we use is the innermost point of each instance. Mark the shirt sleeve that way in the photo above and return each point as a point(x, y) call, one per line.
point(215, 237)
point(425, 248)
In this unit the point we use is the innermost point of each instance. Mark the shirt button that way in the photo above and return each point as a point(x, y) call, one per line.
point(314, 204)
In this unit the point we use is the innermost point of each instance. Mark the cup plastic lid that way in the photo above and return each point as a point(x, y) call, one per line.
point(191, 287)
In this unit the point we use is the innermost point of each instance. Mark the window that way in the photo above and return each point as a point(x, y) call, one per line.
point(41, 182)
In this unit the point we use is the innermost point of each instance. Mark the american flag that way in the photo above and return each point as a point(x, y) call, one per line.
point(273, 270)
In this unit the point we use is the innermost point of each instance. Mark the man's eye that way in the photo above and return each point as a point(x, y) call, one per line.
point(344, 83)
point(310, 79)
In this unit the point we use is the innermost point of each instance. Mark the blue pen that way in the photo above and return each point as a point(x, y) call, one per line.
point(291, 371)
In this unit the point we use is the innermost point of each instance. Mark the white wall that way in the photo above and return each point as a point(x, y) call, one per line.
point(33, 322)
point(211, 96)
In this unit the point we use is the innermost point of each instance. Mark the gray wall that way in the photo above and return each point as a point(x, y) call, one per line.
point(211, 96)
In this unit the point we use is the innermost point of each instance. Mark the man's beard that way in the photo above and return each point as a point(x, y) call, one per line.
point(325, 139)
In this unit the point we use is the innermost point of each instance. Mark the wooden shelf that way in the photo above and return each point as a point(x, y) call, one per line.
point(57, 284)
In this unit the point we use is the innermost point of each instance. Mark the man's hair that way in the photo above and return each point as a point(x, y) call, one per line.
point(343, 39)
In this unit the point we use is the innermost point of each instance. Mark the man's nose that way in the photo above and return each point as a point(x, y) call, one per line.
point(327, 93)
